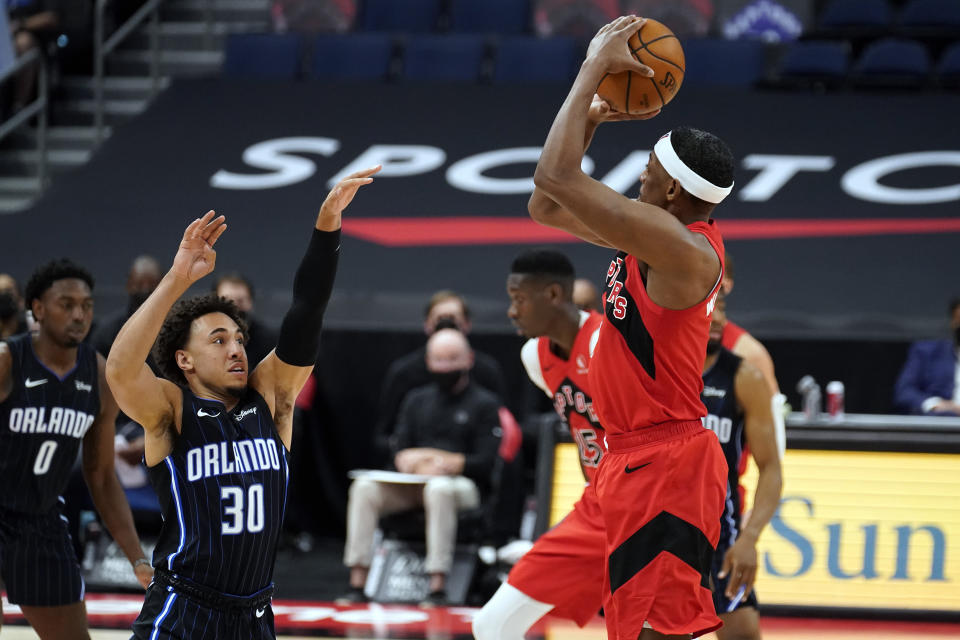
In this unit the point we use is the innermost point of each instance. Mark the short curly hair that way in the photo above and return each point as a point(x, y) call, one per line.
point(176, 330)
point(45, 275)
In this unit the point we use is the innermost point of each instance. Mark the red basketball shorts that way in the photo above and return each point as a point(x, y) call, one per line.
point(661, 492)
point(566, 566)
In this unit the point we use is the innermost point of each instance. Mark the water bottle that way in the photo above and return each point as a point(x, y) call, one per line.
point(810, 393)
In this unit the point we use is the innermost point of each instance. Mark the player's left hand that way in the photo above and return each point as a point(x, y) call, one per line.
point(740, 563)
point(611, 50)
point(601, 111)
point(144, 573)
point(341, 196)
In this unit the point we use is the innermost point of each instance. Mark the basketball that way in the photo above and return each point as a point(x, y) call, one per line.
point(655, 46)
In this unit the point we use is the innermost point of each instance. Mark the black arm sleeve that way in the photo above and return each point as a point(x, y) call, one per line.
point(299, 341)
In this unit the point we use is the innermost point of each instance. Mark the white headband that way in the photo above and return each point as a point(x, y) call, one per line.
point(689, 179)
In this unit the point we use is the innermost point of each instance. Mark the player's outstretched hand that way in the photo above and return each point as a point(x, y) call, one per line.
point(740, 563)
point(342, 195)
point(144, 573)
point(196, 258)
point(601, 111)
point(611, 50)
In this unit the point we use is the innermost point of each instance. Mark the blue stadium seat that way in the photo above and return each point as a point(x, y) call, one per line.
point(732, 63)
point(522, 59)
point(359, 56)
point(893, 62)
point(816, 61)
point(856, 13)
point(412, 16)
point(262, 55)
point(448, 58)
point(490, 16)
point(931, 13)
point(948, 71)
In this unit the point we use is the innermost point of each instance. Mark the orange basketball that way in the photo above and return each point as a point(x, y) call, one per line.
point(655, 46)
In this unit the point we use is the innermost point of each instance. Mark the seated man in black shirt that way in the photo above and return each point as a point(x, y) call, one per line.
point(449, 430)
point(445, 310)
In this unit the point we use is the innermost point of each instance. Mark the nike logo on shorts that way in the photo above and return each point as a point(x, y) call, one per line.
point(629, 469)
point(203, 413)
point(30, 384)
point(260, 612)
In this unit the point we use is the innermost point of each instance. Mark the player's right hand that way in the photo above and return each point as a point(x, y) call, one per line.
point(196, 258)
point(611, 49)
point(601, 111)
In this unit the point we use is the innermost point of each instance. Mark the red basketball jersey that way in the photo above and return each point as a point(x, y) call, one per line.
point(731, 333)
point(648, 361)
point(566, 381)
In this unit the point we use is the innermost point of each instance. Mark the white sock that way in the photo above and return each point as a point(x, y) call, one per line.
point(508, 615)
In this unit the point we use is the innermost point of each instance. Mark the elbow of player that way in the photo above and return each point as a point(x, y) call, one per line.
point(113, 371)
point(552, 181)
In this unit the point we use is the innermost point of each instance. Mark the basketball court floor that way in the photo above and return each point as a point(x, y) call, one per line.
point(111, 616)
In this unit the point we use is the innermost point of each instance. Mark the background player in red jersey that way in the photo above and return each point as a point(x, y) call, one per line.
point(645, 372)
point(563, 572)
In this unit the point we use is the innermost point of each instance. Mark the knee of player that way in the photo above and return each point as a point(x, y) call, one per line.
point(739, 627)
point(485, 625)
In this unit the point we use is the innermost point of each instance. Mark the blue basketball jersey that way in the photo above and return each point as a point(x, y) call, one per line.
point(223, 491)
point(725, 418)
point(42, 424)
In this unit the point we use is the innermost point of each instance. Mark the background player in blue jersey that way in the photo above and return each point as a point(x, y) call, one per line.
point(738, 402)
point(217, 436)
point(53, 397)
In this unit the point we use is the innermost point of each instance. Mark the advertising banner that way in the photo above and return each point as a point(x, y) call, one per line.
point(854, 529)
point(844, 219)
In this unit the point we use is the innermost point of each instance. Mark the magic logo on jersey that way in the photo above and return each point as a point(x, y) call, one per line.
point(60, 421)
point(221, 458)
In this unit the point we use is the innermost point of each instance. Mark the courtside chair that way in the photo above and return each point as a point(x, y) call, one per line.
point(262, 55)
point(532, 60)
point(815, 64)
point(443, 58)
point(730, 63)
point(357, 56)
point(948, 70)
point(855, 19)
point(409, 16)
point(503, 17)
point(893, 62)
point(940, 15)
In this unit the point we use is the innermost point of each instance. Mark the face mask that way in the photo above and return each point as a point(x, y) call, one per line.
point(445, 322)
point(8, 305)
point(447, 380)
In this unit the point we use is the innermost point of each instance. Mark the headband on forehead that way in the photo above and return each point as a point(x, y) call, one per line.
point(694, 183)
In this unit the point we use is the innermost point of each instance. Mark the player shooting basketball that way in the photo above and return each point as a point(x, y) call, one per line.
point(645, 372)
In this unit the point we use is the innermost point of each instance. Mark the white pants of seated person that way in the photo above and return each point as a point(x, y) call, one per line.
point(441, 498)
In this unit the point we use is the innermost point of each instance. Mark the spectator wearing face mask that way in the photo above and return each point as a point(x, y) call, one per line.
point(447, 430)
point(445, 310)
point(12, 318)
point(929, 382)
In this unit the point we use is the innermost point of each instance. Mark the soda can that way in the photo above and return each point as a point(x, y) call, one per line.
point(835, 399)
